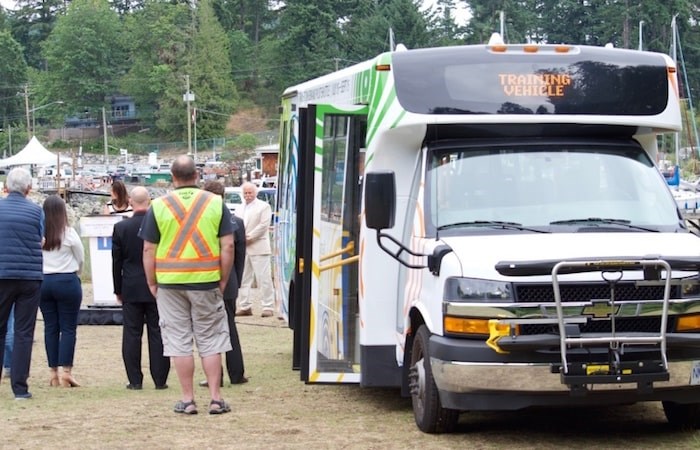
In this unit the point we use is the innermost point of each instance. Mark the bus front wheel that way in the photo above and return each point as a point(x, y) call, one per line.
point(430, 416)
point(682, 415)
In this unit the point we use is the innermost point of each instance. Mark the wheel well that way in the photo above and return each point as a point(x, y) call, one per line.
point(416, 320)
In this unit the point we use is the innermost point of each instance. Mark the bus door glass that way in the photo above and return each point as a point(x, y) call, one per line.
point(334, 317)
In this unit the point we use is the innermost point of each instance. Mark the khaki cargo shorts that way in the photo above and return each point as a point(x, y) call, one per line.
point(188, 316)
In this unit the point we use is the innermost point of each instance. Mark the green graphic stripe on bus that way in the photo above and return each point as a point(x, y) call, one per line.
point(383, 98)
point(380, 115)
point(363, 86)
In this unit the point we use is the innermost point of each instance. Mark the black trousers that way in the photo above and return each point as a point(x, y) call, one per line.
point(25, 295)
point(136, 315)
point(234, 358)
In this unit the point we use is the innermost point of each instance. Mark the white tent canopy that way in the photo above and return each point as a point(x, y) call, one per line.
point(32, 153)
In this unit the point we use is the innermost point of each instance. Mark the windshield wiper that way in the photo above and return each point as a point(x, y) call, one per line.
point(492, 224)
point(596, 221)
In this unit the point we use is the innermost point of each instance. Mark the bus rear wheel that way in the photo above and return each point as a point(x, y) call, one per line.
point(428, 412)
point(684, 416)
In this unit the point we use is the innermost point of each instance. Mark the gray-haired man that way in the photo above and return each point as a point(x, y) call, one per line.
point(21, 232)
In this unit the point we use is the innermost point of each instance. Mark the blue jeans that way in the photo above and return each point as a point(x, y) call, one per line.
point(9, 340)
point(61, 296)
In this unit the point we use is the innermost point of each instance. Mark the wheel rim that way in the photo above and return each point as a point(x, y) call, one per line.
point(418, 381)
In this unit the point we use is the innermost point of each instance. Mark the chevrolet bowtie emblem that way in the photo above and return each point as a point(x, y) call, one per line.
point(600, 309)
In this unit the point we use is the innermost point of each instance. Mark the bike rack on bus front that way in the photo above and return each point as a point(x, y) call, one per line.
point(581, 373)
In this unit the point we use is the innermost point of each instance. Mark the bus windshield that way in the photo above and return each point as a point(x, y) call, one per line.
point(547, 185)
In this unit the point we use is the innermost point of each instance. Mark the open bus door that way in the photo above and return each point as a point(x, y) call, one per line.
point(326, 317)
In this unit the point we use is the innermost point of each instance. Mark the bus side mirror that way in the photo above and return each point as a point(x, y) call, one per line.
point(380, 199)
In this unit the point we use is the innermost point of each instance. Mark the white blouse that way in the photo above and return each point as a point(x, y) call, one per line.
point(68, 258)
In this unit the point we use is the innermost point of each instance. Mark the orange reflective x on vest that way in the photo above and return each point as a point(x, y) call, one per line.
point(188, 252)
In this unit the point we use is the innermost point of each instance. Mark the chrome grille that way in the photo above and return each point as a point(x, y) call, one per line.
point(585, 292)
point(622, 325)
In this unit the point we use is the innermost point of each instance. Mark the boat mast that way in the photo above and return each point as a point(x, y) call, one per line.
point(675, 60)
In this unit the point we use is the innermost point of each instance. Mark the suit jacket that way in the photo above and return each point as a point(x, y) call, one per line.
point(127, 261)
point(257, 216)
point(239, 247)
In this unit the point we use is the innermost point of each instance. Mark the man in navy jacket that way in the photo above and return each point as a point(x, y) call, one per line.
point(234, 357)
point(21, 234)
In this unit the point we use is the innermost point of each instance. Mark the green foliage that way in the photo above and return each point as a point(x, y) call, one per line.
point(240, 149)
point(85, 56)
point(245, 142)
point(251, 50)
point(175, 44)
point(31, 25)
point(158, 53)
point(13, 73)
point(210, 74)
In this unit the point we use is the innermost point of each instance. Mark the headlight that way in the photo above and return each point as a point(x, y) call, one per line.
point(475, 290)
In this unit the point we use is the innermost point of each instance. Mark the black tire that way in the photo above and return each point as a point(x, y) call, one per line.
point(685, 416)
point(428, 412)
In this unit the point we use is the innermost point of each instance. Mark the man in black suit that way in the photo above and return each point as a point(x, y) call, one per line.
point(234, 358)
point(138, 304)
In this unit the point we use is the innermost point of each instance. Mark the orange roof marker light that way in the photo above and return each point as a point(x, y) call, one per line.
point(496, 43)
point(383, 67)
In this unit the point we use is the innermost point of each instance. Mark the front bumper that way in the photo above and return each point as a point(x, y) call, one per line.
point(471, 376)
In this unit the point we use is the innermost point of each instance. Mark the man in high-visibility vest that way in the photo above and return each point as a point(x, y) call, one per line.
point(187, 257)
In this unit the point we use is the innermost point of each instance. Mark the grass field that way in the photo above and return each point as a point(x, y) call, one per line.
point(276, 410)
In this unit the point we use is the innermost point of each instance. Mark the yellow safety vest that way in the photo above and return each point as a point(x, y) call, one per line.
point(188, 252)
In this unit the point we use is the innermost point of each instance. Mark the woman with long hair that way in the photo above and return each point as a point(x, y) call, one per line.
point(61, 291)
point(119, 203)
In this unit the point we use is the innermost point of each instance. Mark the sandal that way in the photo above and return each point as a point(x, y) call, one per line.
point(185, 407)
point(218, 407)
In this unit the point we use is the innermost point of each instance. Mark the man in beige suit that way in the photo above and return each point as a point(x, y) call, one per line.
point(256, 217)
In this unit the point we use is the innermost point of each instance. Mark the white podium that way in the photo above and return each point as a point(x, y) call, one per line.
point(99, 231)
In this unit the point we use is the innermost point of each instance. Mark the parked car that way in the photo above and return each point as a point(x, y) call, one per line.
point(269, 195)
point(233, 197)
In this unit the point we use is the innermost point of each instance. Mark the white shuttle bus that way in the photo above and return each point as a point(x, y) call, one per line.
point(485, 227)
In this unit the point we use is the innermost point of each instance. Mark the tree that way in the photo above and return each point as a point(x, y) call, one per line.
point(124, 7)
point(32, 23)
point(521, 20)
point(84, 56)
point(246, 22)
point(239, 150)
point(13, 73)
point(210, 73)
point(297, 51)
point(443, 28)
point(158, 35)
point(374, 25)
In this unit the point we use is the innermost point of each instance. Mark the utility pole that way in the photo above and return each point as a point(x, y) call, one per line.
point(104, 129)
point(194, 119)
point(189, 115)
point(9, 141)
point(26, 108)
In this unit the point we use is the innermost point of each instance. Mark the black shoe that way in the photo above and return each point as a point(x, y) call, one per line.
point(134, 387)
point(160, 387)
point(243, 380)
